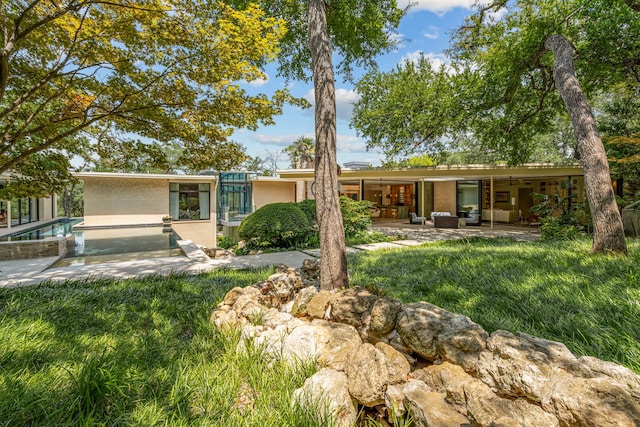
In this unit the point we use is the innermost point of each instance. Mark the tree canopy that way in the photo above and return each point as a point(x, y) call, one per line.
point(92, 78)
point(498, 89)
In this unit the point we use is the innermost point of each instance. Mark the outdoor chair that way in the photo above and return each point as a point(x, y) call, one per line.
point(415, 219)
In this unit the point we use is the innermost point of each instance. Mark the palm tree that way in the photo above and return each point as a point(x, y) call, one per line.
point(302, 153)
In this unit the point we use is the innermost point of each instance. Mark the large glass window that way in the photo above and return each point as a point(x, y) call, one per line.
point(469, 201)
point(24, 211)
point(189, 201)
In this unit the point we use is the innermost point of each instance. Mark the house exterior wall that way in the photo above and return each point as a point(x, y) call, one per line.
point(124, 201)
point(267, 192)
point(444, 197)
point(121, 201)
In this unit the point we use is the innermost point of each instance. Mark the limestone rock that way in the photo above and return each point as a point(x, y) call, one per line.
point(383, 315)
point(394, 401)
point(461, 342)
point(430, 408)
point(225, 320)
point(339, 333)
point(367, 375)
point(394, 339)
point(478, 402)
point(352, 306)
point(328, 388)
point(397, 366)
point(337, 358)
point(310, 271)
point(446, 378)
point(246, 305)
point(594, 402)
point(235, 293)
point(272, 318)
point(317, 307)
point(302, 299)
point(522, 365)
point(485, 408)
point(419, 324)
point(304, 343)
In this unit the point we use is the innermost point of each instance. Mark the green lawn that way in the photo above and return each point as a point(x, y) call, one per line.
point(142, 352)
point(552, 290)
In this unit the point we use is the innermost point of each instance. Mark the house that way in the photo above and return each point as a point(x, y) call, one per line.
point(492, 193)
point(129, 199)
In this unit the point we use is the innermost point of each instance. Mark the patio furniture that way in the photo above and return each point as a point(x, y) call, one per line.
point(445, 221)
point(435, 214)
point(415, 219)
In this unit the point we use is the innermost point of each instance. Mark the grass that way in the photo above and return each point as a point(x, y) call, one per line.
point(136, 352)
point(554, 290)
point(143, 352)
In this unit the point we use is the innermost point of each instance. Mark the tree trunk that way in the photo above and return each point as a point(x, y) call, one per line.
point(608, 234)
point(333, 258)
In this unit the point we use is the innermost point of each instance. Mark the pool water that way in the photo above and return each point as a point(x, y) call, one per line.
point(62, 227)
point(94, 246)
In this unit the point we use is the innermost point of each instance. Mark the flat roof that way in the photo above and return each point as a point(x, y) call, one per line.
point(172, 177)
point(450, 172)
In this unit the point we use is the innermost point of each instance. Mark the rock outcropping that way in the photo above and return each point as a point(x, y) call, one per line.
point(442, 367)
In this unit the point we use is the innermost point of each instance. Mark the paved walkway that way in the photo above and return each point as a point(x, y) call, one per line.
point(32, 271)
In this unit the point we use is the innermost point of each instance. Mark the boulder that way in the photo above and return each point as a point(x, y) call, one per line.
point(302, 299)
point(397, 366)
point(304, 343)
point(319, 305)
point(478, 402)
point(337, 358)
point(430, 408)
point(524, 366)
point(461, 342)
point(419, 325)
point(383, 315)
point(352, 306)
point(272, 318)
point(367, 375)
point(594, 402)
point(327, 389)
point(235, 293)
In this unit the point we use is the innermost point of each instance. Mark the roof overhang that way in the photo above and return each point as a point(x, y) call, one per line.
point(449, 172)
point(170, 177)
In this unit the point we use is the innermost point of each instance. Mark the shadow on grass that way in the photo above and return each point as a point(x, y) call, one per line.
point(86, 352)
point(552, 290)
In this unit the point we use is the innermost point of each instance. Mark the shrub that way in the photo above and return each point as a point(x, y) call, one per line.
point(308, 206)
point(281, 225)
point(225, 242)
point(356, 216)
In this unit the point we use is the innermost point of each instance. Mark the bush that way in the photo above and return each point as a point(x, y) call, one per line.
point(225, 242)
point(309, 208)
point(356, 216)
point(280, 225)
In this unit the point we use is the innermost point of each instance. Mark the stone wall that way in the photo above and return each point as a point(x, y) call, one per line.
point(28, 249)
point(441, 367)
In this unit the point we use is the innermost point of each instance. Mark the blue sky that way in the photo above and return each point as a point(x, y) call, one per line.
point(425, 29)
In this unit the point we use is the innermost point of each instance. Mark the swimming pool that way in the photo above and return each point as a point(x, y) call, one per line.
point(61, 227)
point(99, 245)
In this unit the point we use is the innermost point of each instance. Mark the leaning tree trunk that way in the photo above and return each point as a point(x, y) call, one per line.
point(333, 258)
point(608, 233)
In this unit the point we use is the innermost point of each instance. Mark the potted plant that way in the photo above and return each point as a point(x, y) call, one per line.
point(166, 220)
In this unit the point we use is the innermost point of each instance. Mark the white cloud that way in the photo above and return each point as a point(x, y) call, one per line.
point(439, 7)
point(345, 98)
point(351, 144)
point(259, 82)
point(432, 32)
point(437, 60)
point(282, 140)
